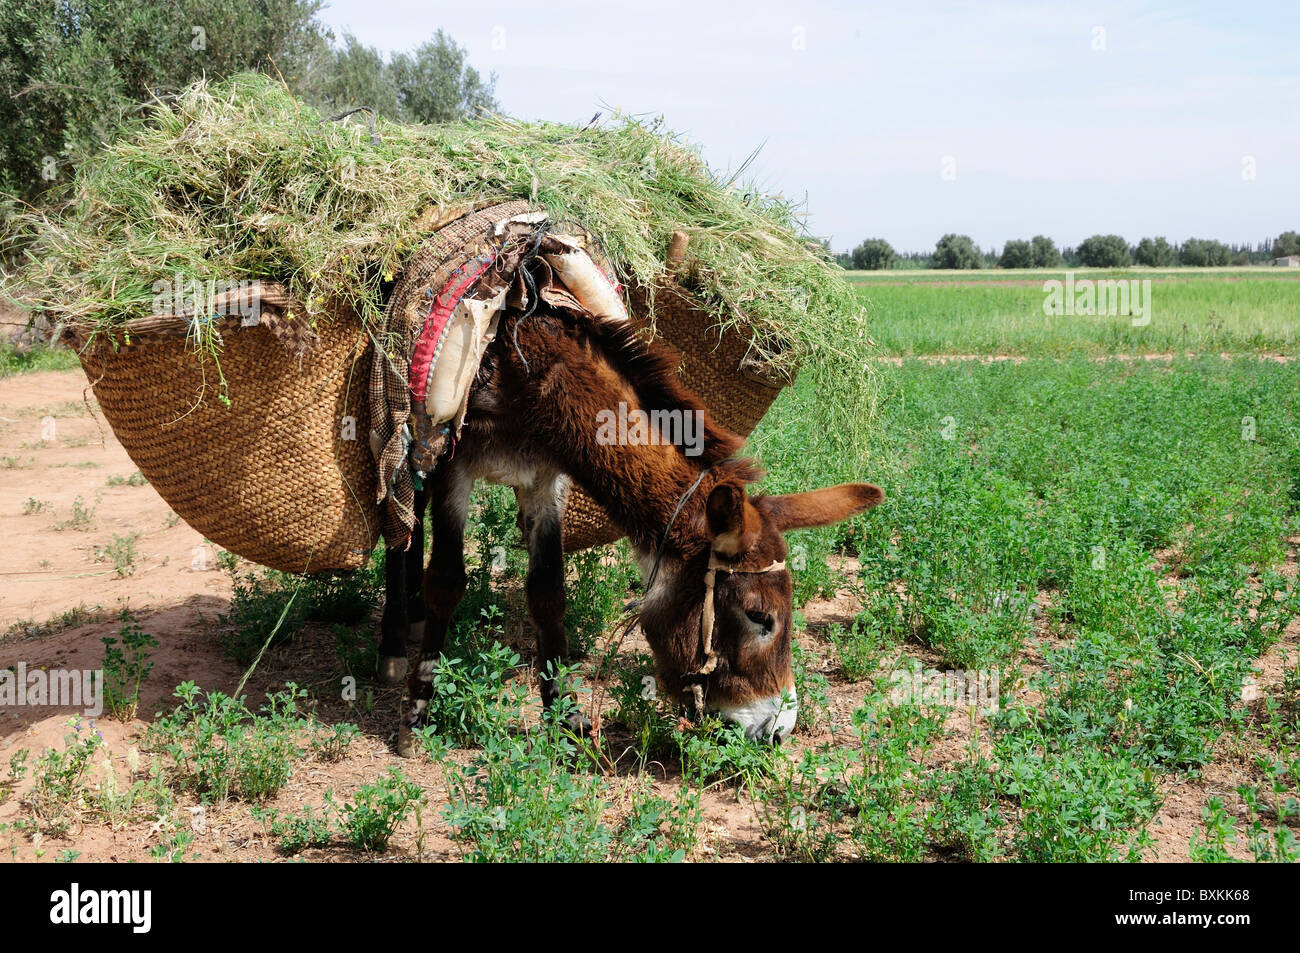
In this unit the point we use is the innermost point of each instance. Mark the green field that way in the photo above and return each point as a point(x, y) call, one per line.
point(1109, 522)
point(945, 275)
point(1112, 536)
point(1001, 312)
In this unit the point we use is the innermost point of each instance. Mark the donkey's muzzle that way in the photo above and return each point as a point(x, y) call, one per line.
point(769, 720)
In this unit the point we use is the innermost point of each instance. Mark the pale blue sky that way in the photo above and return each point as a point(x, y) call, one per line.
point(859, 104)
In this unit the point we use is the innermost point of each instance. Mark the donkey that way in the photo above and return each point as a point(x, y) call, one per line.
point(716, 607)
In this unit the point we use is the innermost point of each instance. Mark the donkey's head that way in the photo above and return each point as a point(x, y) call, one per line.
point(721, 620)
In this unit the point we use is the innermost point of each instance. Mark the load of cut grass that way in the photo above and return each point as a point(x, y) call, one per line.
point(240, 180)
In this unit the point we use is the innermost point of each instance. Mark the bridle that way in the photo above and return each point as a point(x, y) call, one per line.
point(696, 678)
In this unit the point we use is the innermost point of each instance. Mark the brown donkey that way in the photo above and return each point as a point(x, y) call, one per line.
point(716, 610)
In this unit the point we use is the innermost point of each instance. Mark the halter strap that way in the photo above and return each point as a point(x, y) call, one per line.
point(663, 541)
point(710, 577)
point(706, 623)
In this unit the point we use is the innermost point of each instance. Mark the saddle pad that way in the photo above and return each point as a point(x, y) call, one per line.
point(447, 328)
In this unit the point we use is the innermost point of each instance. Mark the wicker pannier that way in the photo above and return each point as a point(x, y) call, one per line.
point(284, 475)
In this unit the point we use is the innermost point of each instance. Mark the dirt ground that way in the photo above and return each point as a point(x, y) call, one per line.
point(66, 496)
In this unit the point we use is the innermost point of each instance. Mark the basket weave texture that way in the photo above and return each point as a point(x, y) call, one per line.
point(280, 477)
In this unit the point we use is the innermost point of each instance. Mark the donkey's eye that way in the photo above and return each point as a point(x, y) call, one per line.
point(761, 619)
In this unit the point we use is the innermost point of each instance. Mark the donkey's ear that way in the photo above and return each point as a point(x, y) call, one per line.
point(819, 507)
point(734, 523)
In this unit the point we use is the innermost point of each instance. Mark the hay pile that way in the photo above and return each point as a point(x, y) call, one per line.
point(240, 180)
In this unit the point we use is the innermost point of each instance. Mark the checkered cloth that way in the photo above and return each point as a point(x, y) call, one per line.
point(400, 433)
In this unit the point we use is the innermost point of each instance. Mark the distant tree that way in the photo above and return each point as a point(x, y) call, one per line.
point(435, 84)
point(1204, 253)
point(957, 251)
point(1017, 254)
point(914, 260)
point(1155, 253)
point(1104, 251)
point(348, 76)
point(1288, 243)
point(874, 254)
point(1045, 253)
point(431, 84)
point(1256, 253)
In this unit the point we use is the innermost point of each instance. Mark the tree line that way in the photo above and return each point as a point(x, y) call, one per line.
point(1098, 251)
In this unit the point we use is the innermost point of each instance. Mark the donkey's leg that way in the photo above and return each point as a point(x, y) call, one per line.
point(415, 611)
point(444, 585)
point(403, 619)
point(395, 624)
point(542, 507)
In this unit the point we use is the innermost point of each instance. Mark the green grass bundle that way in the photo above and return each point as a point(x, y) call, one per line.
point(240, 180)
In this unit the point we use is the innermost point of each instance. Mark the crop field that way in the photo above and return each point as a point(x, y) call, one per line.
point(1001, 312)
point(1070, 633)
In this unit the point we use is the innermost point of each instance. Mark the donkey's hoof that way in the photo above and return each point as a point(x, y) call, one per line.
point(406, 745)
point(416, 634)
point(579, 724)
point(392, 669)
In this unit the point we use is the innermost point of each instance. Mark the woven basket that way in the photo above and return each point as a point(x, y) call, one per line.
point(714, 363)
point(279, 477)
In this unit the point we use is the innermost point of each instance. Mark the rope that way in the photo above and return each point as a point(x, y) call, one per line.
point(530, 284)
point(370, 121)
point(659, 553)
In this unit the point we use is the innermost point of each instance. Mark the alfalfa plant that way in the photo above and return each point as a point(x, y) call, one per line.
point(366, 822)
point(357, 650)
point(121, 553)
point(17, 771)
point(126, 666)
point(219, 749)
point(337, 598)
point(1272, 810)
point(59, 796)
point(658, 830)
point(81, 520)
point(521, 799)
point(331, 742)
point(640, 709)
point(264, 611)
point(718, 754)
point(375, 812)
point(811, 686)
point(476, 700)
point(595, 594)
point(294, 832)
point(802, 807)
